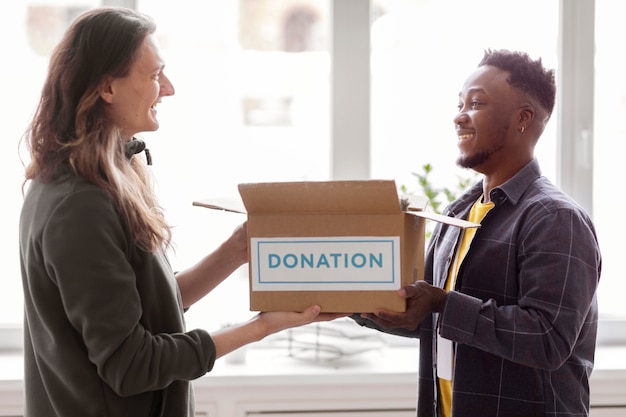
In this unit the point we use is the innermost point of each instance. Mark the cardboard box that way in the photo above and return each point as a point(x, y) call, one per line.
point(345, 245)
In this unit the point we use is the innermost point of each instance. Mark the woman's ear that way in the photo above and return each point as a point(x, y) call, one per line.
point(106, 90)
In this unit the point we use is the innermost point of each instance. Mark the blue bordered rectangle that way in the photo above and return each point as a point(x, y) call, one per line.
point(325, 263)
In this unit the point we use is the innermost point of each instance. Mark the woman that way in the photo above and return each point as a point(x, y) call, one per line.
point(104, 327)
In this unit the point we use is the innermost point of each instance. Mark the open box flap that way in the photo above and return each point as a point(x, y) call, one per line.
point(452, 221)
point(233, 205)
point(366, 196)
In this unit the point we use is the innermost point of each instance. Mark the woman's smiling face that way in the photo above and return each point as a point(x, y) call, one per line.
point(132, 99)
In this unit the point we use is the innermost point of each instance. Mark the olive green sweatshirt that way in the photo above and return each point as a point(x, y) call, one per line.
point(103, 324)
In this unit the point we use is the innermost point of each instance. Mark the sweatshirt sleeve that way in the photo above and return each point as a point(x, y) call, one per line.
point(87, 254)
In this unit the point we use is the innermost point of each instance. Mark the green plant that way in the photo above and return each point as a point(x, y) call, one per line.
point(439, 197)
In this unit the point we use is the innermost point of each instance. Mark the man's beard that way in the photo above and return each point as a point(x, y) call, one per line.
point(477, 159)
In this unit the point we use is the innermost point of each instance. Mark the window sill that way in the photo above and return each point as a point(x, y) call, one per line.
point(265, 366)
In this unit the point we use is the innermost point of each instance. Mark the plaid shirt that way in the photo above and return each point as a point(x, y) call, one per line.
point(523, 313)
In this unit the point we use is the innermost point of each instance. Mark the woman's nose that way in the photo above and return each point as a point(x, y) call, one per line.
point(167, 88)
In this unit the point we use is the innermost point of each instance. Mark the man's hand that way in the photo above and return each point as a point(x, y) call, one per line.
point(422, 299)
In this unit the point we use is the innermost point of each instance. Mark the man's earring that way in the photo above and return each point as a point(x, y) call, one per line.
point(521, 129)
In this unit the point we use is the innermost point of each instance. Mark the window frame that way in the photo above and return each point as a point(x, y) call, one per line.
point(575, 101)
point(351, 102)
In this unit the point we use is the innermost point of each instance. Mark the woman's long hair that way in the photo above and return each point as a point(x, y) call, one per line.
point(71, 128)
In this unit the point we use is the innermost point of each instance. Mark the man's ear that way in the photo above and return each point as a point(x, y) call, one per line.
point(106, 90)
point(526, 115)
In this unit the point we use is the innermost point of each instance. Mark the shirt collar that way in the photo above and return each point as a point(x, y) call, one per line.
point(512, 190)
point(517, 185)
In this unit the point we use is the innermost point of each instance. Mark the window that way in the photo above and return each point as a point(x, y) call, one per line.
point(422, 52)
point(609, 146)
point(254, 82)
point(251, 105)
point(29, 30)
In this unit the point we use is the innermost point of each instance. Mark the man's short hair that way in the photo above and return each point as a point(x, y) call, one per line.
point(526, 74)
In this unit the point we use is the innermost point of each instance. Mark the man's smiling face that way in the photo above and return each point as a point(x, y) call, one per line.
point(484, 123)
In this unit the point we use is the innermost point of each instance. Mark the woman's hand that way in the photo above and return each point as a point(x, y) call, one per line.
point(265, 324)
point(237, 244)
point(197, 281)
point(275, 321)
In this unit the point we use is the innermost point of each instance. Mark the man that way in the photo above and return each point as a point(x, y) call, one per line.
point(507, 314)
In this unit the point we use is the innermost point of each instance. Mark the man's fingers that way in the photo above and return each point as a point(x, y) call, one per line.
point(389, 316)
point(409, 291)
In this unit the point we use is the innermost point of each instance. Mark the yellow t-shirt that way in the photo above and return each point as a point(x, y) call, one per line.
point(477, 214)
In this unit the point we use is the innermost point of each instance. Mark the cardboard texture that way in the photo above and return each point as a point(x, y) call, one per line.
point(344, 245)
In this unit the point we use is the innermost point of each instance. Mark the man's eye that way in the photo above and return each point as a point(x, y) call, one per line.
point(472, 105)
